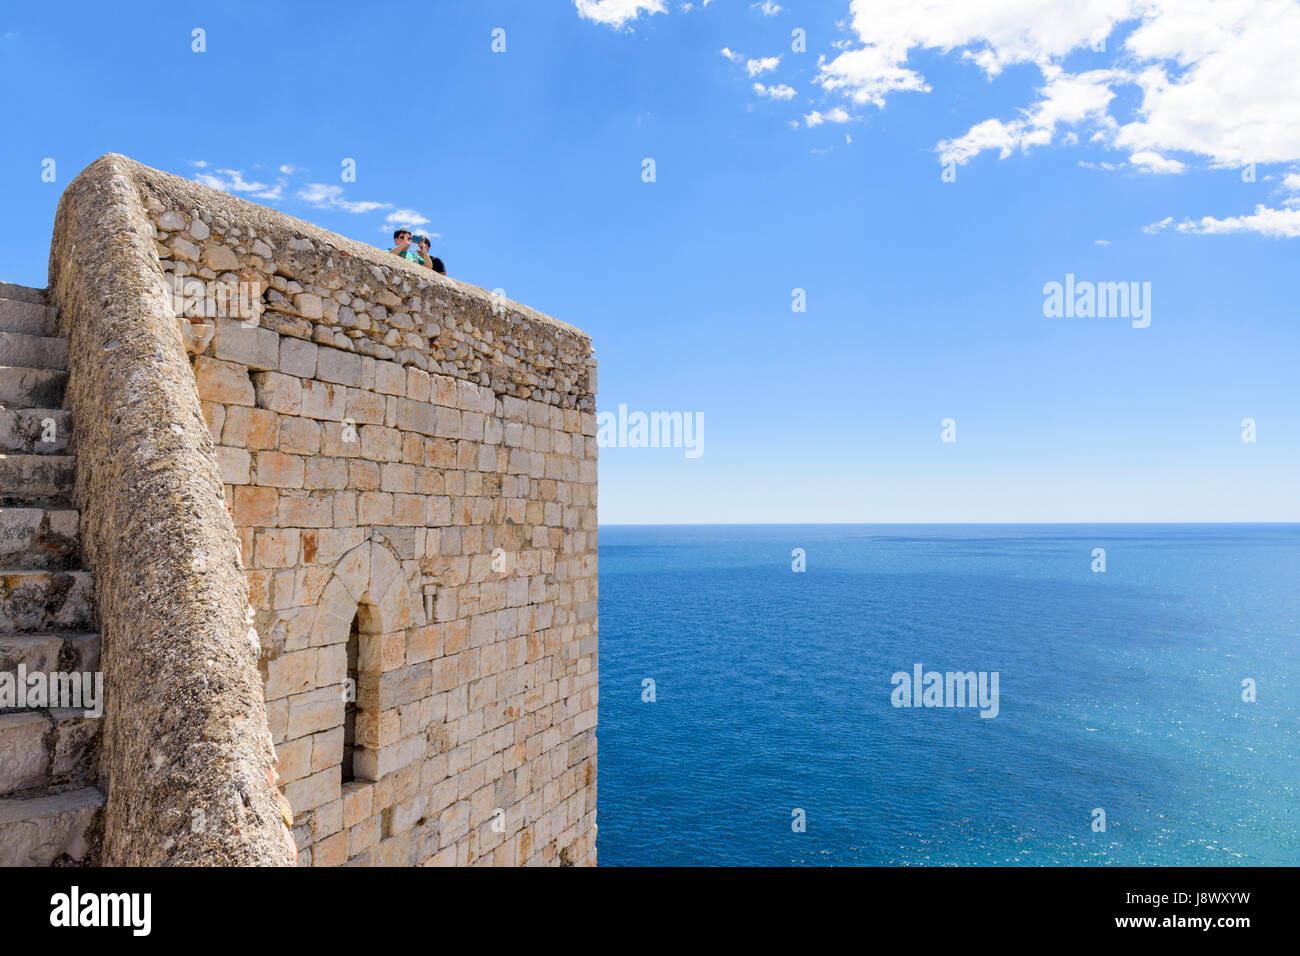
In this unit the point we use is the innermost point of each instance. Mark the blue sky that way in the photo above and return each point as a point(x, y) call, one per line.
point(778, 170)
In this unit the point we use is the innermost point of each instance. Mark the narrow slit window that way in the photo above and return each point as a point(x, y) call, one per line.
point(350, 707)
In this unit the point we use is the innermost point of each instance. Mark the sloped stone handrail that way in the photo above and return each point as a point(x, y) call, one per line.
point(187, 762)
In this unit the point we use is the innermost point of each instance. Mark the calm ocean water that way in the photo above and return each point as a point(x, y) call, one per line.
point(1120, 691)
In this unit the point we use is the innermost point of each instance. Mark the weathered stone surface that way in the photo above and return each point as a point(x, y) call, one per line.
point(41, 538)
point(24, 310)
point(49, 829)
point(154, 525)
point(32, 387)
point(256, 348)
point(196, 335)
point(32, 600)
point(35, 479)
point(76, 740)
point(33, 351)
point(24, 762)
point(220, 258)
point(224, 382)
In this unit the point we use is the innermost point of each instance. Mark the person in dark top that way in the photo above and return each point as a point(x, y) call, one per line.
point(422, 248)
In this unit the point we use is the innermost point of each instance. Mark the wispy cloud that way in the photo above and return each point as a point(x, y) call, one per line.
point(324, 196)
point(777, 92)
point(409, 219)
point(1273, 223)
point(316, 195)
point(233, 181)
point(1149, 161)
point(817, 118)
point(1065, 100)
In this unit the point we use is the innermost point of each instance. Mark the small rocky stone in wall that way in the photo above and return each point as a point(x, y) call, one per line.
point(184, 249)
point(171, 221)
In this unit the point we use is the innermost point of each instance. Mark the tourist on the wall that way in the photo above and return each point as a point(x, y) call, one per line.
point(402, 238)
point(416, 249)
point(422, 248)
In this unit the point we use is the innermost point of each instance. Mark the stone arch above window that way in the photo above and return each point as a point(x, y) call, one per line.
point(368, 574)
point(367, 601)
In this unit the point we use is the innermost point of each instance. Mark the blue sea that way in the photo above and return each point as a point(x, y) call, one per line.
point(1119, 691)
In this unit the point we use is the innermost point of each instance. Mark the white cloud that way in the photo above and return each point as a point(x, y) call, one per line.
point(316, 195)
point(324, 196)
point(993, 34)
point(766, 7)
point(1274, 223)
point(617, 12)
point(405, 217)
point(733, 56)
point(1149, 161)
point(766, 65)
point(1216, 78)
point(233, 182)
point(1221, 82)
point(1101, 242)
point(837, 115)
point(778, 92)
point(1067, 99)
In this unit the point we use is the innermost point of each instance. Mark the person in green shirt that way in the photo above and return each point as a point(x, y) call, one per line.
point(402, 238)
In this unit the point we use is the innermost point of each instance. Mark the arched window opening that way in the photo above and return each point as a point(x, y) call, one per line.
point(350, 706)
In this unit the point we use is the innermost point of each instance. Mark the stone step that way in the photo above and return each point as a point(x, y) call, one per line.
point(29, 318)
point(39, 538)
point(46, 829)
point(54, 747)
point(31, 387)
point(26, 429)
point(33, 351)
point(74, 757)
point(36, 480)
point(49, 651)
point(44, 600)
point(21, 293)
point(24, 756)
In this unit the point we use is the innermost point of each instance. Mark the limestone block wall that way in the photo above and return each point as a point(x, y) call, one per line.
point(411, 470)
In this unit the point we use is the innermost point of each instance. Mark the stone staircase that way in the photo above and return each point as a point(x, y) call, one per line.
point(48, 755)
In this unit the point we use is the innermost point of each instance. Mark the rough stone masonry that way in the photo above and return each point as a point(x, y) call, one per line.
point(387, 526)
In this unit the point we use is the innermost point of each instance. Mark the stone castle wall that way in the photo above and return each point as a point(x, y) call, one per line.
point(410, 466)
